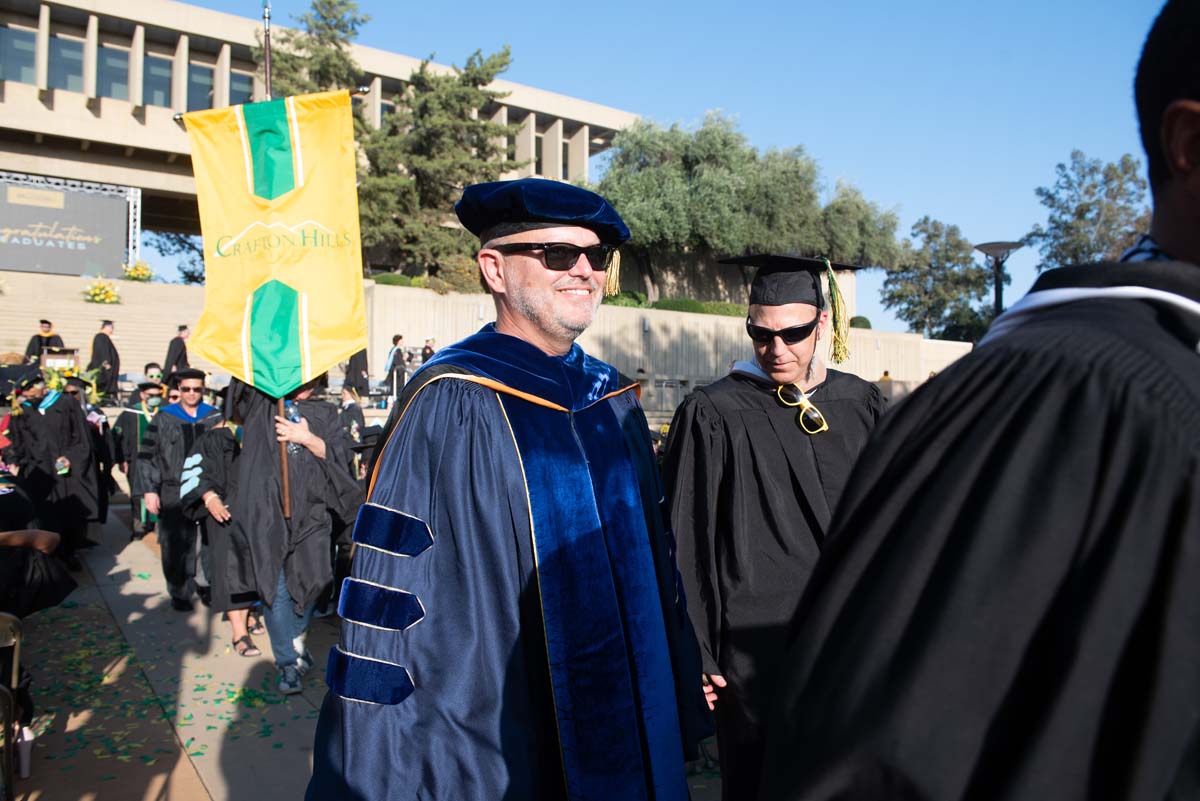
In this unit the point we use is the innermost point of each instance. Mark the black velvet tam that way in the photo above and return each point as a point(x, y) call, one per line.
point(485, 207)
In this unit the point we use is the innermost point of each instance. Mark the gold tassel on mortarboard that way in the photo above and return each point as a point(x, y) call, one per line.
point(612, 276)
point(837, 310)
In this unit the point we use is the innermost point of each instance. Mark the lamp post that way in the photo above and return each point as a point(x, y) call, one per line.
point(998, 253)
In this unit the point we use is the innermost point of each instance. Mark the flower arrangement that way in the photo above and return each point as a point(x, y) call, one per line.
point(138, 271)
point(56, 378)
point(101, 290)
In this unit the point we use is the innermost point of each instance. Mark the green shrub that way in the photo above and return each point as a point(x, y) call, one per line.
point(725, 308)
point(627, 298)
point(858, 321)
point(393, 279)
point(678, 304)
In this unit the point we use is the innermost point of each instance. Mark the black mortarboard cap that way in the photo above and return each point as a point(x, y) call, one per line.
point(785, 279)
point(369, 436)
point(45, 322)
point(145, 385)
point(105, 322)
point(537, 201)
point(77, 381)
point(187, 372)
point(797, 279)
point(17, 377)
point(182, 328)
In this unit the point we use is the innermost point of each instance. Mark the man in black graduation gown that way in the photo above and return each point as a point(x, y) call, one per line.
point(44, 338)
point(158, 475)
point(357, 377)
point(52, 449)
point(177, 358)
point(1008, 605)
point(105, 359)
point(755, 464)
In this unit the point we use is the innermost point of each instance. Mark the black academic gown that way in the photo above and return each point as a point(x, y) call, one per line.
point(751, 495)
point(37, 343)
point(1008, 607)
point(103, 448)
point(323, 496)
point(104, 352)
point(177, 358)
point(64, 502)
point(169, 438)
point(128, 432)
point(356, 374)
point(211, 466)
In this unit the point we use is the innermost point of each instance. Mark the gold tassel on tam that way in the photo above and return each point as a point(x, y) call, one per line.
point(612, 276)
point(837, 311)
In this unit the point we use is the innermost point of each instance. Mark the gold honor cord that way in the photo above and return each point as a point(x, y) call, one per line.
point(837, 309)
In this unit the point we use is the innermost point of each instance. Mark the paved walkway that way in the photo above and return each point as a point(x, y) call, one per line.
point(137, 702)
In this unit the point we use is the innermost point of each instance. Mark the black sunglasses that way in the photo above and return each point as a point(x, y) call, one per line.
point(562, 256)
point(790, 336)
point(191, 389)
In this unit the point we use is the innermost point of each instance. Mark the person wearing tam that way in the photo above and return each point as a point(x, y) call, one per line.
point(177, 355)
point(40, 341)
point(106, 361)
point(754, 465)
point(157, 477)
point(103, 446)
point(513, 589)
point(52, 450)
point(1008, 609)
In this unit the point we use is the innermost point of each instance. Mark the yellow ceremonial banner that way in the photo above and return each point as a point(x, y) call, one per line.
point(276, 183)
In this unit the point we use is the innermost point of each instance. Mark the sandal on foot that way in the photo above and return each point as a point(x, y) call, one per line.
point(244, 646)
point(255, 625)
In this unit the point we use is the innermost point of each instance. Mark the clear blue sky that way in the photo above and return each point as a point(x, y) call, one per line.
point(957, 110)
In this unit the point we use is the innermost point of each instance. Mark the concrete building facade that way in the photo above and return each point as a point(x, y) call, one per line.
point(89, 90)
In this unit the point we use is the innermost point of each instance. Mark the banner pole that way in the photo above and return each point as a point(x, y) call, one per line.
point(287, 491)
point(267, 46)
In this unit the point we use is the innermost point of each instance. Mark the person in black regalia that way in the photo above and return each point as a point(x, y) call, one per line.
point(209, 493)
point(755, 464)
point(350, 416)
point(157, 477)
point(128, 433)
point(44, 338)
point(1007, 607)
point(290, 557)
point(357, 377)
point(103, 444)
point(177, 356)
point(107, 361)
point(52, 448)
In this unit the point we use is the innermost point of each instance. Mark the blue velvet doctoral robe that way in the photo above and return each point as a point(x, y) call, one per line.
point(513, 626)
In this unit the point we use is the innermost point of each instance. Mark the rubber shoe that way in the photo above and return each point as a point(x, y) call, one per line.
point(304, 663)
point(289, 681)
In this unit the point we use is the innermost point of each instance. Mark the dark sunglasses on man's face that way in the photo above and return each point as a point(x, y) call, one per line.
point(790, 336)
point(191, 389)
point(562, 256)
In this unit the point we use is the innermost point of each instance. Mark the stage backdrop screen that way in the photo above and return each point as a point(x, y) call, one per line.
point(51, 230)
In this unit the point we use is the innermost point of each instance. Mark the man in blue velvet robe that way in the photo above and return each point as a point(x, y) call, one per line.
point(513, 626)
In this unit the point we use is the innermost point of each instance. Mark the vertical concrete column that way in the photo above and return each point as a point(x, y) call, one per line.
point(577, 154)
point(179, 75)
point(552, 151)
point(500, 143)
point(258, 90)
point(41, 50)
point(91, 56)
point(374, 105)
point(137, 66)
point(221, 77)
point(525, 144)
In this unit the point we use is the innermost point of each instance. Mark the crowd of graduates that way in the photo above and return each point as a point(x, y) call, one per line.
point(191, 456)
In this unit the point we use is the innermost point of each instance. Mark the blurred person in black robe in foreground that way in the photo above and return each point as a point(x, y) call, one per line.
point(754, 465)
point(1007, 607)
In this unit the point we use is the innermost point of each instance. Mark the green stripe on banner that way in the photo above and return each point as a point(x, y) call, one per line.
point(275, 338)
point(270, 148)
